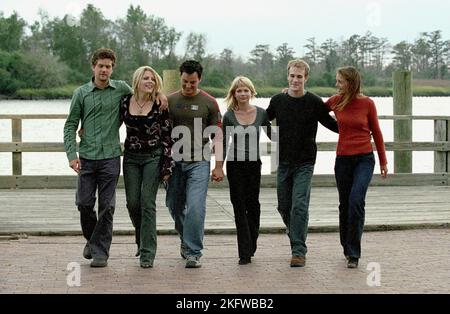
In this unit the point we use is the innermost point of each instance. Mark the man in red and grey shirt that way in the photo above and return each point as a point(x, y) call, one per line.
point(197, 122)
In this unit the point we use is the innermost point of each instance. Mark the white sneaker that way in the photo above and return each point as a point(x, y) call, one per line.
point(193, 262)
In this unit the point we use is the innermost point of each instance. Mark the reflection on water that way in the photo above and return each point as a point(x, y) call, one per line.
point(56, 163)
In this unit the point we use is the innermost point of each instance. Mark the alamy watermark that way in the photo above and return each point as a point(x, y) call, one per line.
point(246, 143)
point(73, 278)
point(374, 277)
point(373, 18)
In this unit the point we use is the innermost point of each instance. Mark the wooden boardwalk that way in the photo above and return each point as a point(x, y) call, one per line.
point(53, 212)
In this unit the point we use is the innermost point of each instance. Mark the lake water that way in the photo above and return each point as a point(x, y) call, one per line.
point(56, 163)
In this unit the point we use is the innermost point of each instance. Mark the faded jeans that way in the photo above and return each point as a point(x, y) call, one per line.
point(186, 200)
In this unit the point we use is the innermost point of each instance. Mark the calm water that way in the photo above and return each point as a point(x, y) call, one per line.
point(56, 163)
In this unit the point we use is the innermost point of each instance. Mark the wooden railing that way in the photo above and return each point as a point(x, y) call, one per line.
point(440, 146)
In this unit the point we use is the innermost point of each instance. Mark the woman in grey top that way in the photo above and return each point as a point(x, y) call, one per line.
point(242, 126)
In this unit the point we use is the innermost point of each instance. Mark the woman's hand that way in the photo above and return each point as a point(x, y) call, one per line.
point(384, 171)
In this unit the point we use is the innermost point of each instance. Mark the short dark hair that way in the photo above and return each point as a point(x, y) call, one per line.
point(103, 53)
point(190, 67)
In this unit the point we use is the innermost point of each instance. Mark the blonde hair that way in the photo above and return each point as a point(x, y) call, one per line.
point(137, 77)
point(297, 63)
point(353, 78)
point(230, 100)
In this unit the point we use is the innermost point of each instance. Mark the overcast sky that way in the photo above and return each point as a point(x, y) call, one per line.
point(241, 24)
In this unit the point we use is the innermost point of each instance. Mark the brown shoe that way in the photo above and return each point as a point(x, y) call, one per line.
point(298, 261)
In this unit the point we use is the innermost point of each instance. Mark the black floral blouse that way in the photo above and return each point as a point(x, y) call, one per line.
point(146, 134)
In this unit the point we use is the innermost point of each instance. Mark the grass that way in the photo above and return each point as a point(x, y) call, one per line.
point(263, 92)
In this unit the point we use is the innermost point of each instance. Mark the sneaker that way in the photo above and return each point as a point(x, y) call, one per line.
point(183, 250)
point(298, 261)
point(245, 260)
point(147, 264)
point(193, 262)
point(87, 252)
point(99, 262)
point(352, 262)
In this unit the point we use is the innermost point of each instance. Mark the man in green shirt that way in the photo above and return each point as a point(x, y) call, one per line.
point(96, 104)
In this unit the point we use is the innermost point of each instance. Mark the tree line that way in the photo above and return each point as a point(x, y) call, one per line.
point(53, 52)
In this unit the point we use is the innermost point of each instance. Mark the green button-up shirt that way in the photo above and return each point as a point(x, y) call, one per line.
point(98, 110)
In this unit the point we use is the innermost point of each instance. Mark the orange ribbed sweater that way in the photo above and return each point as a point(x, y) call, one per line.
point(357, 123)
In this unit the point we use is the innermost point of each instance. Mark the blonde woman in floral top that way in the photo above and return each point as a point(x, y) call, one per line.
point(147, 157)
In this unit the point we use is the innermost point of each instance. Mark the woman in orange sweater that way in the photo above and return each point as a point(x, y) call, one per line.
point(357, 119)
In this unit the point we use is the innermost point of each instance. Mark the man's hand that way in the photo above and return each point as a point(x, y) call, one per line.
point(161, 99)
point(75, 165)
point(217, 174)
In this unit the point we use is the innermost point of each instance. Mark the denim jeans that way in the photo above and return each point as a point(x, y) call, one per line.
point(353, 175)
point(186, 200)
point(293, 190)
point(102, 175)
point(141, 174)
point(244, 178)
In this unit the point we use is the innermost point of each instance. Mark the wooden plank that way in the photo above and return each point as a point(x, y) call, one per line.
point(402, 128)
point(411, 117)
point(440, 134)
point(439, 146)
point(64, 116)
point(267, 181)
point(40, 147)
point(16, 129)
point(33, 116)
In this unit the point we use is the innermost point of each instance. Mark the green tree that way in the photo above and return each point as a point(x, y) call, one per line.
point(421, 56)
point(312, 56)
point(195, 46)
point(95, 30)
point(402, 55)
point(262, 60)
point(67, 43)
point(328, 53)
point(438, 49)
point(131, 37)
point(12, 30)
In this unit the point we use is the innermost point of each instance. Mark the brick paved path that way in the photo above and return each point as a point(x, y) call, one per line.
point(410, 261)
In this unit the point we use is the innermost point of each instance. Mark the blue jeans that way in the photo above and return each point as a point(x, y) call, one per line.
point(102, 175)
point(186, 200)
point(141, 174)
point(353, 175)
point(293, 190)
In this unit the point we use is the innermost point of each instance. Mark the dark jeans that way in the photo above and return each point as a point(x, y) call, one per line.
point(141, 174)
point(294, 190)
point(353, 175)
point(102, 175)
point(244, 178)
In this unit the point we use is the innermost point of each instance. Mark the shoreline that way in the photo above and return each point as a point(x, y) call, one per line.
point(263, 92)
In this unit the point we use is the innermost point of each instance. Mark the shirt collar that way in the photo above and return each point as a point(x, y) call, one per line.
point(92, 86)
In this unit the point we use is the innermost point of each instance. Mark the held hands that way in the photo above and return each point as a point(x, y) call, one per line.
point(166, 178)
point(384, 171)
point(217, 175)
point(75, 165)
